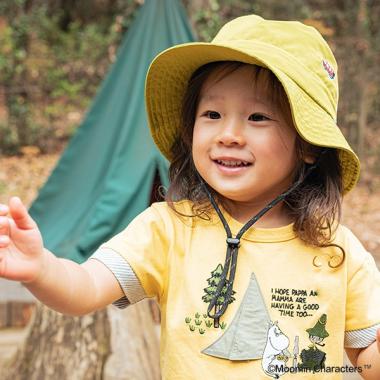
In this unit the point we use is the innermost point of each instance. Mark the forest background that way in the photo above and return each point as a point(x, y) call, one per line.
point(55, 53)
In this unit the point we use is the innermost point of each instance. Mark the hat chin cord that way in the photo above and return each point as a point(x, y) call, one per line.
point(233, 243)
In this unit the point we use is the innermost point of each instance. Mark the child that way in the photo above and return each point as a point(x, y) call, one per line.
point(248, 123)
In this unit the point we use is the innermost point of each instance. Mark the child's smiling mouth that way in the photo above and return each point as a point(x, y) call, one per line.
point(231, 165)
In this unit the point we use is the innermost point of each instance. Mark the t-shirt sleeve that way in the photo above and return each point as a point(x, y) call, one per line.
point(363, 299)
point(137, 256)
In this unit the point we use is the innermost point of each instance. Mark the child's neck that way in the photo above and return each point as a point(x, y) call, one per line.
point(243, 212)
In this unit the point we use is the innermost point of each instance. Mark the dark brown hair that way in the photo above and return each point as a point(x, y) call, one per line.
point(315, 205)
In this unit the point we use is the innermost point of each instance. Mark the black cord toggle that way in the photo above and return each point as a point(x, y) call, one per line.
point(233, 242)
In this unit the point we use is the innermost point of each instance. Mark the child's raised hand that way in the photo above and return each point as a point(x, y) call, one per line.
point(21, 245)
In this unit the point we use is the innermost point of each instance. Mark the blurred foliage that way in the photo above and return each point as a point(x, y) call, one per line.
point(54, 53)
point(52, 57)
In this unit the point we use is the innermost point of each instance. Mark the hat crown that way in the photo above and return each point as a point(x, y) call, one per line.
point(304, 43)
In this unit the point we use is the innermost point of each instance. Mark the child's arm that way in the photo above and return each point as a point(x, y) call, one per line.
point(367, 358)
point(61, 284)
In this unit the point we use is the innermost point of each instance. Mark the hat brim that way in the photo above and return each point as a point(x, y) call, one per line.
point(171, 70)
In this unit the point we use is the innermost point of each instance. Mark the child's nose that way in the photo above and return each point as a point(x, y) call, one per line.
point(232, 133)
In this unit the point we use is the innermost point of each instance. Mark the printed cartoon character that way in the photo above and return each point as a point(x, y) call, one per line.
point(275, 353)
point(313, 358)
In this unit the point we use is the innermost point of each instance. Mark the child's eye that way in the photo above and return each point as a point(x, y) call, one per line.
point(212, 114)
point(257, 117)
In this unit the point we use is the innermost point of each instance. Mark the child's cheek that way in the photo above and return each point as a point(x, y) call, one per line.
point(202, 137)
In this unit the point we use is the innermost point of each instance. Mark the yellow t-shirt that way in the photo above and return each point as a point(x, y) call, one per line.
point(291, 311)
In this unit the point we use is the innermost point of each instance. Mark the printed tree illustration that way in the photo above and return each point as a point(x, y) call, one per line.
point(210, 291)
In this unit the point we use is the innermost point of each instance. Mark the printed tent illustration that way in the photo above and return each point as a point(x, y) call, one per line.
point(246, 337)
point(105, 176)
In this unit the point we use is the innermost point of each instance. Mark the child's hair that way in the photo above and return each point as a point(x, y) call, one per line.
point(315, 205)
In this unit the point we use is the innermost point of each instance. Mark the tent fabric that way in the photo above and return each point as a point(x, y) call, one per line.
point(104, 178)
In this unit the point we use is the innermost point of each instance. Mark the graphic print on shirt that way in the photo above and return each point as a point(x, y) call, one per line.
point(313, 358)
point(210, 291)
point(253, 335)
point(290, 302)
point(246, 336)
point(275, 354)
point(203, 325)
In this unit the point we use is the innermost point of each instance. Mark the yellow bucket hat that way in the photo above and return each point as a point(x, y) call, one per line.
point(297, 54)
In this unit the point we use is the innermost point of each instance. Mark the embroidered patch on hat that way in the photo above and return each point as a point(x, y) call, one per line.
point(329, 69)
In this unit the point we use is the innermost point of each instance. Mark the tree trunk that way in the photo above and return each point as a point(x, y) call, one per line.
point(216, 320)
point(134, 344)
point(363, 108)
point(109, 344)
point(363, 77)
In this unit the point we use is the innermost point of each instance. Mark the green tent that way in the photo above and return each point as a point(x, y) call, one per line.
point(105, 176)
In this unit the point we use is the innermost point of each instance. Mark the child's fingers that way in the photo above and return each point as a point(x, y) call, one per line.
point(4, 209)
point(4, 225)
point(378, 340)
point(4, 241)
point(20, 214)
point(4, 231)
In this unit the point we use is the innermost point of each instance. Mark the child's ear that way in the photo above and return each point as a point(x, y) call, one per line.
point(309, 159)
point(307, 152)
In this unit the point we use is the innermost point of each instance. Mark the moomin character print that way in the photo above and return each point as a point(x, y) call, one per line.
point(313, 358)
point(275, 353)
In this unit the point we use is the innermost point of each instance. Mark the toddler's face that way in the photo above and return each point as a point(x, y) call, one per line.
point(242, 145)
